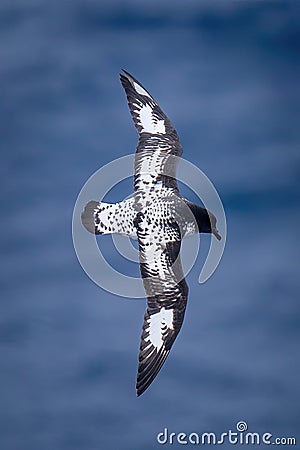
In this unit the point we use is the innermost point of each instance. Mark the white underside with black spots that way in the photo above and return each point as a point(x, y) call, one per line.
point(108, 218)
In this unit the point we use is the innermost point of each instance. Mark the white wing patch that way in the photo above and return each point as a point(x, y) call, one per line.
point(149, 122)
point(140, 90)
point(157, 326)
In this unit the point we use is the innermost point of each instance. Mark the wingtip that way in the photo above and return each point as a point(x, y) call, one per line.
point(126, 77)
point(140, 391)
point(126, 74)
point(138, 88)
point(141, 387)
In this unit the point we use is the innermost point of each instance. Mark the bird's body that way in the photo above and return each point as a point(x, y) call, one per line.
point(158, 217)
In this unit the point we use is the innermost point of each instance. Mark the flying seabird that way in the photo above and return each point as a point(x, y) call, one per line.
point(158, 217)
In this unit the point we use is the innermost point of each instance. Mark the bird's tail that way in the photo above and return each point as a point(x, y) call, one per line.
point(106, 218)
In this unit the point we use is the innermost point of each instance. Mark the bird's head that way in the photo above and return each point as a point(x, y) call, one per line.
point(206, 220)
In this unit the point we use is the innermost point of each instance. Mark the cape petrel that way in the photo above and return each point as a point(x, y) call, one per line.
point(156, 217)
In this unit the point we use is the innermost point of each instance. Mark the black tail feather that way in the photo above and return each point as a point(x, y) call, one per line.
point(88, 216)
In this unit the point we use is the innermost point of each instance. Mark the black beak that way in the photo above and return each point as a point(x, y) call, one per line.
point(216, 233)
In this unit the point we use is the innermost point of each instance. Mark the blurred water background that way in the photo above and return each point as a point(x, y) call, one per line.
point(227, 74)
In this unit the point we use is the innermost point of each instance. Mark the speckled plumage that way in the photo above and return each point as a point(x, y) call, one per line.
point(158, 217)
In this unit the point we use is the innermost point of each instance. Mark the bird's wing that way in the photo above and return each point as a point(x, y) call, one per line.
point(159, 146)
point(167, 293)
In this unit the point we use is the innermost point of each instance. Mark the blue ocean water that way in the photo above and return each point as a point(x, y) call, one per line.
point(227, 75)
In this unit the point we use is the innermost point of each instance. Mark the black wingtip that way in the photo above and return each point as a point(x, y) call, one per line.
point(126, 74)
point(128, 78)
point(147, 375)
point(140, 390)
